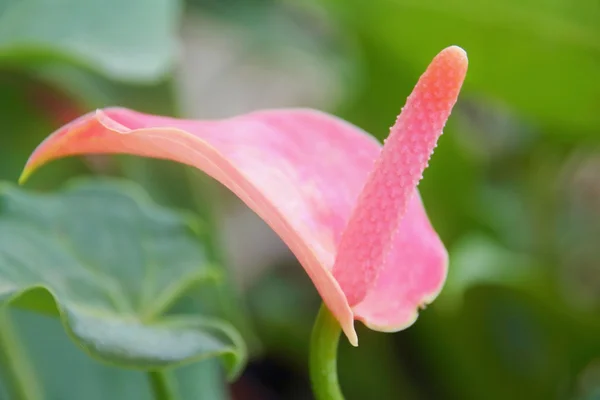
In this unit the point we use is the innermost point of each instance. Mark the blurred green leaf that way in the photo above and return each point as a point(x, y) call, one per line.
point(184, 187)
point(509, 322)
point(477, 260)
point(90, 90)
point(502, 344)
point(125, 40)
point(113, 263)
point(272, 299)
point(540, 57)
point(65, 373)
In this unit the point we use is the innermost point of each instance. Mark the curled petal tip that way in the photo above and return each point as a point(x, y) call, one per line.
point(352, 338)
point(25, 175)
point(30, 167)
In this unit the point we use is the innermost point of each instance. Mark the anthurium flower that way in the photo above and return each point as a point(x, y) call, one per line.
point(347, 207)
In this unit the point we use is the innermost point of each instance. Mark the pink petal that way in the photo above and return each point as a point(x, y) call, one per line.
point(376, 227)
point(412, 275)
point(300, 170)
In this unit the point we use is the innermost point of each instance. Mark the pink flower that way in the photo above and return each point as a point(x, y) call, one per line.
point(347, 208)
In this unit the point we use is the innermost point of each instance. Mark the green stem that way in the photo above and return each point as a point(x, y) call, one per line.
point(162, 386)
point(19, 378)
point(323, 356)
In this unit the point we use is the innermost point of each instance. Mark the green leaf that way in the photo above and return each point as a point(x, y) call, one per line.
point(113, 263)
point(535, 55)
point(65, 373)
point(125, 40)
point(90, 90)
point(478, 260)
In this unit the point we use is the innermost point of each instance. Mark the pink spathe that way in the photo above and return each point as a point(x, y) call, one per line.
point(347, 209)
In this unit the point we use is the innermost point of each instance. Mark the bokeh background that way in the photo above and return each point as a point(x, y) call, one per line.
point(513, 187)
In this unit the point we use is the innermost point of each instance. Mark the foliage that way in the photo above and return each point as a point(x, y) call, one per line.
point(512, 189)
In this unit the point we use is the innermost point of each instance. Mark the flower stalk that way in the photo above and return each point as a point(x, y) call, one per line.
point(323, 356)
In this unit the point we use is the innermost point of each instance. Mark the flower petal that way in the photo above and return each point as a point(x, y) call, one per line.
point(412, 275)
point(373, 230)
point(300, 170)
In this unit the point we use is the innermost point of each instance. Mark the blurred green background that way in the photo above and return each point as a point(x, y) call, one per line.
point(513, 187)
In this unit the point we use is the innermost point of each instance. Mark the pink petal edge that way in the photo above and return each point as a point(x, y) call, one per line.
point(302, 171)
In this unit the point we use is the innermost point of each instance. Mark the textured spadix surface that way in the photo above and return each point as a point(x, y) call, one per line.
point(348, 210)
